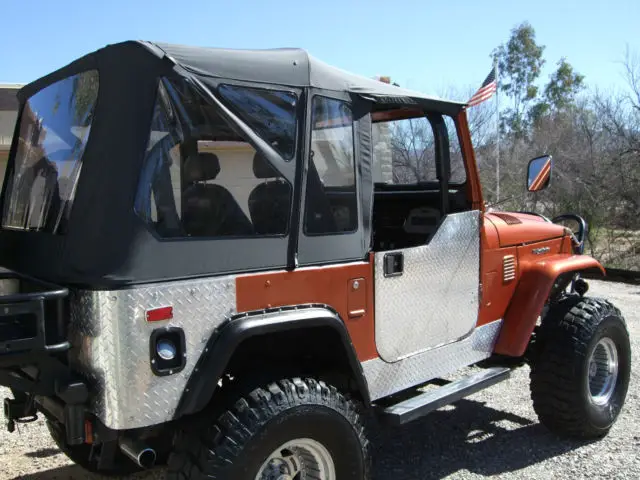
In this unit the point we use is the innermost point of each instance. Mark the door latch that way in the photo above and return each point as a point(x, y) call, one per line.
point(393, 264)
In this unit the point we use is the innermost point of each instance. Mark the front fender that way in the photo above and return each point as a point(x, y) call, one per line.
point(536, 281)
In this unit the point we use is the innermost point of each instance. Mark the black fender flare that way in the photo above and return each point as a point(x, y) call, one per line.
point(204, 378)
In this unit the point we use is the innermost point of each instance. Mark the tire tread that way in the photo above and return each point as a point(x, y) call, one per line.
point(208, 452)
point(562, 345)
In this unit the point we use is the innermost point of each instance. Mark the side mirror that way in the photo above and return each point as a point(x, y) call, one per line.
point(539, 173)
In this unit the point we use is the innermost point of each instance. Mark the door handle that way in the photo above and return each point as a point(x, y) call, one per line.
point(393, 264)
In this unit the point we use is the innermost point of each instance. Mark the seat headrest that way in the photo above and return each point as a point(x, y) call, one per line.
point(262, 168)
point(201, 167)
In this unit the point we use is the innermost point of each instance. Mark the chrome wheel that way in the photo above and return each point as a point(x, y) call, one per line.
point(603, 371)
point(300, 459)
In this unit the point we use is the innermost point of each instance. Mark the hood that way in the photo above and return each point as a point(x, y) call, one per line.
point(523, 228)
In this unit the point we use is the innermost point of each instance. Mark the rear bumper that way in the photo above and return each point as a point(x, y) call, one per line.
point(33, 345)
point(33, 320)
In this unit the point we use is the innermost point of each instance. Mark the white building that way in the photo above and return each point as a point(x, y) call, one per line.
point(8, 115)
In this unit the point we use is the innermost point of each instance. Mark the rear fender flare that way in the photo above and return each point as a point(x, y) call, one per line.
point(532, 292)
point(223, 343)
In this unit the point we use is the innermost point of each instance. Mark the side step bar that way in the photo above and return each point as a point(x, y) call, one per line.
point(418, 406)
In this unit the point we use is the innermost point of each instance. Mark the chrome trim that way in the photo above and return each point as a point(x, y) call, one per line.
point(110, 334)
point(435, 299)
point(386, 378)
point(603, 371)
point(508, 268)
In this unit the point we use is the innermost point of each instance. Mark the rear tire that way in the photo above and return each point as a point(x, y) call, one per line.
point(287, 429)
point(580, 368)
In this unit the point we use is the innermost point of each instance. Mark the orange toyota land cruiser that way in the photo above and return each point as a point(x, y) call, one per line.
point(222, 260)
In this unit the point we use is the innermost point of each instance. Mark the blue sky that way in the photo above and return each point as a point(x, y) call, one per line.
point(424, 45)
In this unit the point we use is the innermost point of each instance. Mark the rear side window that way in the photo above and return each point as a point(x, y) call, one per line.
point(202, 178)
point(54, 128)
point(270, 113)
point(331, 201)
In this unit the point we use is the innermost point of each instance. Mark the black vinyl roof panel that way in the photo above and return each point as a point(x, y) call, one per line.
point(285, 66)
point(281, 66)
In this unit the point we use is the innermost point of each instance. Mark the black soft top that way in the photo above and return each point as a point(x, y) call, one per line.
point(292, 67)
point(108, 245)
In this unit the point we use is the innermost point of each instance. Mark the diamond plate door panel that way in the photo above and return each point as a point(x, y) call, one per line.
point(110, 335)
point(386, 378)
point(435, 299)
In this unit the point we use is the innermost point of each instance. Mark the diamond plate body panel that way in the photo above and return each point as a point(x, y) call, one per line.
point(110, 335)
point(386, 378)
point(435, 300)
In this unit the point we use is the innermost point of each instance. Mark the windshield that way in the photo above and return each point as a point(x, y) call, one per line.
point(54, 128)
point(404, 152)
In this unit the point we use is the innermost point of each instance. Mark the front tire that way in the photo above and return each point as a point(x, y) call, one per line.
point(291, 429)
point(580, 368)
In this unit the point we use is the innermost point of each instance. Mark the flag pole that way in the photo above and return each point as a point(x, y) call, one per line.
point(495, 66)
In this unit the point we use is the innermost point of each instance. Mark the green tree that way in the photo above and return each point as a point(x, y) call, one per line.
point(520, 62)
point(559, 93)
point(565, 83)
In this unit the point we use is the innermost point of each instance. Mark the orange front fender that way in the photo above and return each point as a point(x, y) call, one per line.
point(536, 280)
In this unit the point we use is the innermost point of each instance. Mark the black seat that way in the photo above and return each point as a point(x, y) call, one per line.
point(209, 210)
point(270, 201)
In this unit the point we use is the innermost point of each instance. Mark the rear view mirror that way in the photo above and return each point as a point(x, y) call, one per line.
point(539, 173)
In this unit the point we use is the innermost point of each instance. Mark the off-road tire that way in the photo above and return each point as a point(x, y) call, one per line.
point(235, 444)
point(569, 333)
point(80, 455)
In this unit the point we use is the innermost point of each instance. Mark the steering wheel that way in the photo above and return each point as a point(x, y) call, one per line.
point(583, 229)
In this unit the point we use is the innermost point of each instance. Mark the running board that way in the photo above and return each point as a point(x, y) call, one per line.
point(418, 406)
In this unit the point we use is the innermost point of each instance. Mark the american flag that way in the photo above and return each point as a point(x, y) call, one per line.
point(486, 90)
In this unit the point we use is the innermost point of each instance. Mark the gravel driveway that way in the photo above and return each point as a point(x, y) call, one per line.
point(492, 433)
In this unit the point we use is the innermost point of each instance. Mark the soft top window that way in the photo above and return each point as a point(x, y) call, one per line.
point(331, 205)
point(54, 128)
point(270, 113)
point(202, 178)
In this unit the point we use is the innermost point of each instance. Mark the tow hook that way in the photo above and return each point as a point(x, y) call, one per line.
point(19, 411)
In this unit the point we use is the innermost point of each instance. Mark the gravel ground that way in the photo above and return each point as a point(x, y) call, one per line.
point(492, 433)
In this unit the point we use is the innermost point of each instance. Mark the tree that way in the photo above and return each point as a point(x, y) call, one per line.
point(560, 92)
point(563, 86)
point(632, 75)
point(593, 136)
point(520, 62)
point(412, 150)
